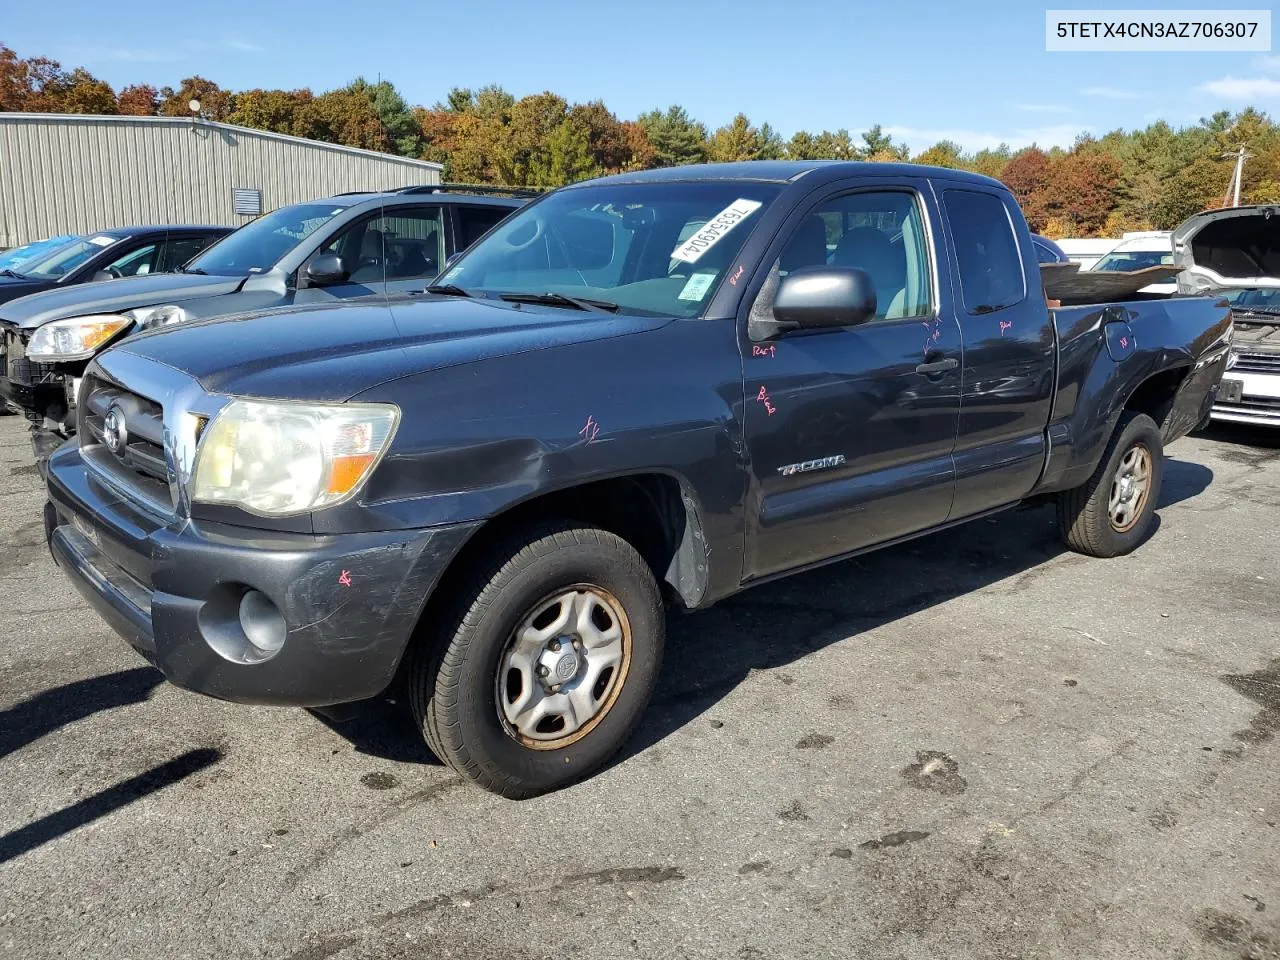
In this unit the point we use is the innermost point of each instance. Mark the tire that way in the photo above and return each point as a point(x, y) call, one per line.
point(507, 622)
point(1091, 523)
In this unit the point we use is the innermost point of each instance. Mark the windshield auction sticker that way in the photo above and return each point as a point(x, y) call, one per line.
point(715, 229)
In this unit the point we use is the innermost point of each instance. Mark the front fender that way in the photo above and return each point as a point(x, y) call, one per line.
point(479, 439)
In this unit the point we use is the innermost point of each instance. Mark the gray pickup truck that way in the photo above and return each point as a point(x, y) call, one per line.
point(652, 389)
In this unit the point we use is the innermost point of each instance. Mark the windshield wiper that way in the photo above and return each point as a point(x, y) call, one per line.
point(447, 289)
point(561, 300)
point(6, 272)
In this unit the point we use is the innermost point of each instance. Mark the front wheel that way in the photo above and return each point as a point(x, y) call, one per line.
point(546, 663)
point(1112, 512)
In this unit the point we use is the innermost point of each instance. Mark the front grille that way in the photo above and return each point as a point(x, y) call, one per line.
point(137, 461)
point(1257, 362)
point(1261, 404)
point(31, 373)
point(20, 370)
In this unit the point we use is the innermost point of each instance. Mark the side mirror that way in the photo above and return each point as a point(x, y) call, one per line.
point(821, 296)
point(326, 269)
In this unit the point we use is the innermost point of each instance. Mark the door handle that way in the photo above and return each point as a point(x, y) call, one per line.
point(938, 366)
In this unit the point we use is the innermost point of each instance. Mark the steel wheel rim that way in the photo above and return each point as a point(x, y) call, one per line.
point(1130, 488)
point(550, 696)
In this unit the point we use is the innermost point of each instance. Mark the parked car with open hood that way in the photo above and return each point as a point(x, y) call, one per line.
point(1235, 253)
point(666, 385)
point(311, 253)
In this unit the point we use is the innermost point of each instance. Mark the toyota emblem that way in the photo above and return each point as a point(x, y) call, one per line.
point(114, 433)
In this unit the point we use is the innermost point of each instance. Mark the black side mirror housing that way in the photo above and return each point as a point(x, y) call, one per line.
point(326, 269)
point(821, 296)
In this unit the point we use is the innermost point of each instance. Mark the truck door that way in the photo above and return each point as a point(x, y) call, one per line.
point(850, 430)
point(1008, 351)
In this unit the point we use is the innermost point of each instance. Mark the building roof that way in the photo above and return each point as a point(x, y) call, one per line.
point(74, 118)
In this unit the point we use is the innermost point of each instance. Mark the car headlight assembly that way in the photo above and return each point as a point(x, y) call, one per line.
point(279, 458)
point(148, 318)
point(76, 338)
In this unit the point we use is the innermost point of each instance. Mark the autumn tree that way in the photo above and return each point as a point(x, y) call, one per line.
point(215, 103)
point(641, 154)
point(401, 132)
point(991, 163)
point(944, 153)
point(1082, 190)
point(606, 138)
point(292, 112)
point(737, 140)
point(1027, 175)
point(139, 100)
point(349, 118)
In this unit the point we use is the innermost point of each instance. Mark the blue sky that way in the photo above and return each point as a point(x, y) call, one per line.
point(925, 71)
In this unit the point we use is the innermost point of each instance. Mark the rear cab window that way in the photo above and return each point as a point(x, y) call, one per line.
point(475, 222)
point(988, 262)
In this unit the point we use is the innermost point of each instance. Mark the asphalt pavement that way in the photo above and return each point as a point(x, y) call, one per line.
point(974, 745)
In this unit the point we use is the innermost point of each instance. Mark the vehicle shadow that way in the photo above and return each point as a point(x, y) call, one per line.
point(710, 653)
point(49, 710)
point(24, 839)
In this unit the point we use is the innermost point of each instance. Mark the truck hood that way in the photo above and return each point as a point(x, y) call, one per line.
point(333, 352)
point(112, 296)
point(1235, 247)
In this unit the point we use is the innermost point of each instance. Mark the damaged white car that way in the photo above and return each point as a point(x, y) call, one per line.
point(1236, 253)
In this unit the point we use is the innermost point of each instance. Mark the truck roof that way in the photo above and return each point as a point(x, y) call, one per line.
point(785, 171)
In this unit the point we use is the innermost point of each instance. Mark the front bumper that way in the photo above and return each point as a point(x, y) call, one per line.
point(1259, 401)
point(350, 602)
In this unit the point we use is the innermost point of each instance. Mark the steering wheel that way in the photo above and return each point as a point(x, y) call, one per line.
point(525, 244)
point(115, 272)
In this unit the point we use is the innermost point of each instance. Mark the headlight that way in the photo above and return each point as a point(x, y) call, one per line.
point(149, 317)
point(275, 457)
point(77, 338)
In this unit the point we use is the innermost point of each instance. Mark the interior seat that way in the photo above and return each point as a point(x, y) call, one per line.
point(871, 250)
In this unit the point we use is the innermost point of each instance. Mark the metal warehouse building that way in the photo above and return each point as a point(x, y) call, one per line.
point(68, 173)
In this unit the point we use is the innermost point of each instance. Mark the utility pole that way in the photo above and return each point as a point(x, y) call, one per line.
point(1233, 185)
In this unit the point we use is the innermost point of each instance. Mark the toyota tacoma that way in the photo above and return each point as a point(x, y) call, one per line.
point(648, 390)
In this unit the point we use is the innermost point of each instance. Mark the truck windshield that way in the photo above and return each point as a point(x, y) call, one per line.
point(259, 245)
point(1130, 260)
point(649, 248)
point(1266, 299)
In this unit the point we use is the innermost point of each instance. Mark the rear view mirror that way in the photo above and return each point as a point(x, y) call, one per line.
point(822, 296)
point(587, 241)
point(326, 269)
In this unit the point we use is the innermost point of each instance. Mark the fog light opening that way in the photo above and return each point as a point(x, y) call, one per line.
point(262, 622)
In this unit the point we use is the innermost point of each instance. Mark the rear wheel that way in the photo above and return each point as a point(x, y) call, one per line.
point(1111, 513)
point(546, 663)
